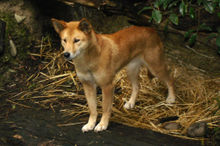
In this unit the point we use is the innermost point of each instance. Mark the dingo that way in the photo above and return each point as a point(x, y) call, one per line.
point(98, 57)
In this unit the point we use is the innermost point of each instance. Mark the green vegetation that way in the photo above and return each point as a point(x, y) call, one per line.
point(172, 10)
point(17, 32)
point(20, 36)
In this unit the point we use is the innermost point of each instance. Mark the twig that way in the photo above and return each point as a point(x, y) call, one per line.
point(70, 124)
point(18, 103)
point(198, 52)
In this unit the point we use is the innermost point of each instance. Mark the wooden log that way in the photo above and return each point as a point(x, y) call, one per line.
point(127, 8)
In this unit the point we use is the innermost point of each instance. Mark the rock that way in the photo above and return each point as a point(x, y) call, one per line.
point(13, 49)
point(171, 126)
point(19, 18)
point(197, 129)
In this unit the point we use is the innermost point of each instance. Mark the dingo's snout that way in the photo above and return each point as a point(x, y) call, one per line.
point(66, 55)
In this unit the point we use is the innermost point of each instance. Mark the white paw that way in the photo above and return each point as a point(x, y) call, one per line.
point(129, 105)
point(170, 100)
point(88, 127)
point(100, 127)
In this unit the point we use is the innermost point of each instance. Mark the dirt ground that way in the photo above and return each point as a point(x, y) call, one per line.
point(44, 128)
point(29, 123)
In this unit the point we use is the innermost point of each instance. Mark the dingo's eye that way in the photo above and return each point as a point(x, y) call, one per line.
point(64, 40)
point(76, 40)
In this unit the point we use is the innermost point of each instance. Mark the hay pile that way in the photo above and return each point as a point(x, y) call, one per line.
point(56, 84)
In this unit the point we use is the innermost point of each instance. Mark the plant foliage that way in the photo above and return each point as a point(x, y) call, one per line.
point(174, 9)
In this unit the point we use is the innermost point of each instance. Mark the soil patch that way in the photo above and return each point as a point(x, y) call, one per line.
point(44, 127)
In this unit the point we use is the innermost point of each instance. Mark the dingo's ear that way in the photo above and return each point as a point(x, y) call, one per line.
point(85, 26)
point(58, 25)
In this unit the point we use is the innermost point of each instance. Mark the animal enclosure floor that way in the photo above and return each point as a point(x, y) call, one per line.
point(44, 127)
point(24, 121)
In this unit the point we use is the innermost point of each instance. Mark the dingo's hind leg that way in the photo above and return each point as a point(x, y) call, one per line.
point(155, 62)
point(132, 71)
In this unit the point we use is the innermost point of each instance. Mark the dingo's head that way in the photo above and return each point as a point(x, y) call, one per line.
point(74, 36)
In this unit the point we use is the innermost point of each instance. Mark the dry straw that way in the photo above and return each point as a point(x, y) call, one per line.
point(56, 84)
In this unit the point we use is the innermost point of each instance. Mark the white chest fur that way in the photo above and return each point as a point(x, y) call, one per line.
point(87, 77)
point(99, 77)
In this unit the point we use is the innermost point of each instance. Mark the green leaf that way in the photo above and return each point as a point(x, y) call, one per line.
point(218, 14)
point(174, 3)
point(150, 20)
point(191, 12)
point(218, 1)
point(188, 34)
point(210, 36)
point(218, 41)
point(192, 39)
point(203, 26)
point(182, 8)
point(157, 16)
point(174, 19)
point(199, 1)
point(209, 7)
point(186, 9)
point(165, 4)
point(144, 9)
point(158, 3)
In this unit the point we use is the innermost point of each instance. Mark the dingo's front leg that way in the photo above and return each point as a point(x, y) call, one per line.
point(90, 92)
point(107, 98)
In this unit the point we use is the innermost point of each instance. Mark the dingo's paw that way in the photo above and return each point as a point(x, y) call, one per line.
point(101, 127)
point(88, 127)
point(170, 100)
point(129, 105)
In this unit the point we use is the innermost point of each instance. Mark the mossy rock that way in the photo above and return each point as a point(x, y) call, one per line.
point(22, 40)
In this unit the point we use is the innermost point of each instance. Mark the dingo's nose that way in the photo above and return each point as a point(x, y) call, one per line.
point(66, 55)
